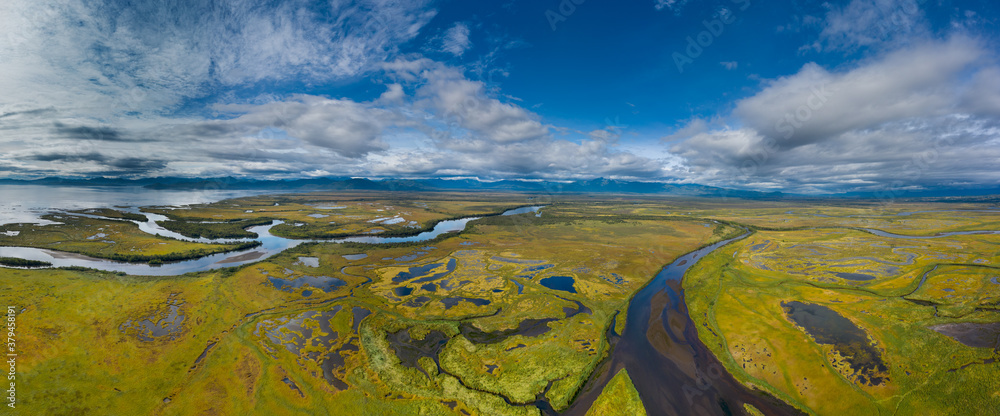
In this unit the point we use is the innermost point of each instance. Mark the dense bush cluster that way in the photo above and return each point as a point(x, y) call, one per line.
point(230, 229)
point(171, 257)
point(16, 262)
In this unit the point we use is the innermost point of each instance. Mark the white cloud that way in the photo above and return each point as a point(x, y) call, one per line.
point(815, 103)
point(456, 40)
point(109, 59)
point(466, 104)
point(674, 5)
point(394, 94)
point(450, 125)
point(347, 128)
point(86, 82)
point(925, 114)
point(868, 23)
point(472, 133)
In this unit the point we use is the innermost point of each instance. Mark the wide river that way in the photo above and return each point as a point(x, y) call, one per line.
point(674, 372)
point(270, 246)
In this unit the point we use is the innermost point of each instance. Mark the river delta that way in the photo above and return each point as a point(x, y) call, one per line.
point(461, 304)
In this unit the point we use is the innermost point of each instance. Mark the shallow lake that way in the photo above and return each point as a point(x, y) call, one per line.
point(828, 327)
point(563, 283)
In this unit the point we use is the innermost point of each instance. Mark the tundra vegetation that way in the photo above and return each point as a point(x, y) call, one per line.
point(464, 325)
point(110, 238)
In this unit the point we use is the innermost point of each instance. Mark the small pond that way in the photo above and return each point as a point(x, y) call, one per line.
point(563, 283)
point(451, 302)
point(972, 334)
point(527, 328)
point(324, 283)
point(858, 277)
point(424, 271)
point(828, 327)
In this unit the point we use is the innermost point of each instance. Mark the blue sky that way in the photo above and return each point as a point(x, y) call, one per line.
point(782, 95)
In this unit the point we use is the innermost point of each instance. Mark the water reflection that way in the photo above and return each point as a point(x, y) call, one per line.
point(270, 246)
point(27, 203)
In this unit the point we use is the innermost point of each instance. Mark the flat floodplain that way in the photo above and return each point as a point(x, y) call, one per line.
point(516, 314)
point(835, 318)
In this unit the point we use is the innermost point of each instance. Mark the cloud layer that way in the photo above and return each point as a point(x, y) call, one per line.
point(191, 88)
point(923, 115)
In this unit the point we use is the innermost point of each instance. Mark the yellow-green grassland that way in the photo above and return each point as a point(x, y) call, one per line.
point(510, 312)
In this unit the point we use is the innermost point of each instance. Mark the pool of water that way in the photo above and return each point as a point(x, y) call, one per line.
point(972, 334)
point(858, 277)
point(520, 287)
point(157, 326)
point(522, 210)
point(324, 283)
point(452, 302)
point(410, 350)
point(828, 327)
point(308, 261)
point(563, 283)
point(527, 328)
point(294, 333)
point(360, 314)
point(423, 273)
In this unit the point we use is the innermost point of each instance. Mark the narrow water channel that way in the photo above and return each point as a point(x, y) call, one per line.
point(270, 246)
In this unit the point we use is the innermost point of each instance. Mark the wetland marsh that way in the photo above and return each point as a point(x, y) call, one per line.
point(485, 307)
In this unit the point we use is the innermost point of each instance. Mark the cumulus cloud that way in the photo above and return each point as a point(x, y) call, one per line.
point(153, 88)
point(465, 103)
point(348, 128)
point(815, 103)
point(472, 133)
point(98, 78)
point(447, 125)
point(923, 115)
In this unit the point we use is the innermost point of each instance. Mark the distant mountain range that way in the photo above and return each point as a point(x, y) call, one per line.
point(329, 184)
point(599, 185)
